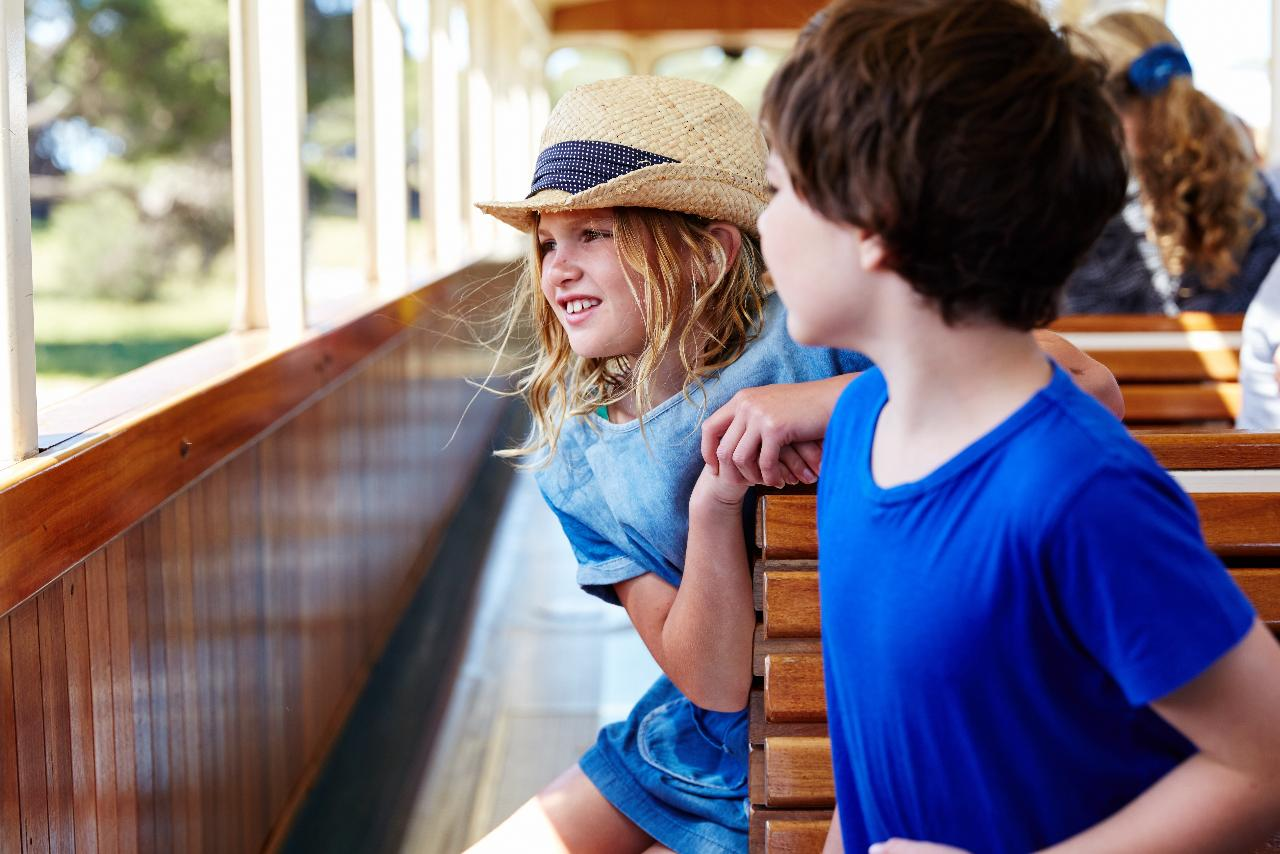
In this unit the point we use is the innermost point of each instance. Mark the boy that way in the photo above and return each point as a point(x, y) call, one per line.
point(1026, 643)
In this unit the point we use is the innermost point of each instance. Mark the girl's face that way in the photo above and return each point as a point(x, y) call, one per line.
point(583, 281)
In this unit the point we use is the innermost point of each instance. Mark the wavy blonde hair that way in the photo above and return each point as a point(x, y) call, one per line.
point(1198, 179)
point(690, 298)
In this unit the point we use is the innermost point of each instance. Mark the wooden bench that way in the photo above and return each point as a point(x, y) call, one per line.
point(1172, 370)
point(1233, 477)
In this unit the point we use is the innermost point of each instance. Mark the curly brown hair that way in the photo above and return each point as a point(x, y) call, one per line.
point(1196, 172)
point(966, 134)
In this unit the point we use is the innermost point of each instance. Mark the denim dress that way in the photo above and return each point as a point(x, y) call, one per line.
point(622, 496)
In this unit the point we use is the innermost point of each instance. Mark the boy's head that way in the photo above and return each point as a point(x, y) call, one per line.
point(964, 134)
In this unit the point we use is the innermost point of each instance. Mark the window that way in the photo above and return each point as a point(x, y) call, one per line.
point(572, 66)
point(742, 72)
point(131, 193)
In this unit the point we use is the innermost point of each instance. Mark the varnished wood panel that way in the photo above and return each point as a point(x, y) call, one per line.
point(668, 15)
point(789, 831)
point(793, 689)
point(10, 814)
point(760, 728)
point(786, 528)
point(791, 607)
point(1171, 365)
point(793, 772)
point(762, 647)
point(1148, 403)
point(1187, 321)
point(1262, 586)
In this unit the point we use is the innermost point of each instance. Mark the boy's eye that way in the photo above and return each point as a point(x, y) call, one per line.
point(773, 191)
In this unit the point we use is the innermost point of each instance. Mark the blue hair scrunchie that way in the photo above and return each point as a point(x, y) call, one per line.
point(1151, 72)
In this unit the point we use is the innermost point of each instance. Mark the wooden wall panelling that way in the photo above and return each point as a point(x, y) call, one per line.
point(194, 672)
point(249, 627)
point(164, 818)
point(75, 616)
point(166, 562)
point(28, 701)
point(219, 584)
point(10, 814)
point(57, 719)
point(191, 517)
point(128, 805)
point(98, 642)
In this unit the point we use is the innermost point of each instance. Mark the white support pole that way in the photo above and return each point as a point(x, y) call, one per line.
point(268, 105)
point(18, 432)
point(445, 147)
point(426, 143)
point(382, 192)
point(1273, 135)
point(483, 103)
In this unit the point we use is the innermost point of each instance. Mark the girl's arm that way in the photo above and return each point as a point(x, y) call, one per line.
point(700, 633)
point(1226, 797)
point(771, 434)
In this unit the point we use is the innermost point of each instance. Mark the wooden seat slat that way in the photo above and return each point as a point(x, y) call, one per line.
point(793, 772)
point(793, 689)
point(1187, 321)
point(791, 604)
point(1146, 403)
point(760, 729)
point(1164, 366)
point(763, 647)
point(789, 831)
point(1234, 524)
point(1211, 449)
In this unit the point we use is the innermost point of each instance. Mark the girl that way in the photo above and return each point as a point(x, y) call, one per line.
point(1201, 228)
point(649, 311)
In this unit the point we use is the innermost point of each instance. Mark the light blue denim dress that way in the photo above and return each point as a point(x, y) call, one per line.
point(678, 771)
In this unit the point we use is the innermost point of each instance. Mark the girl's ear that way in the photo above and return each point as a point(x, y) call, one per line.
point(730, 239)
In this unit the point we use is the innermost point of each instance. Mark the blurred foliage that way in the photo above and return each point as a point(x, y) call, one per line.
point(130, 120)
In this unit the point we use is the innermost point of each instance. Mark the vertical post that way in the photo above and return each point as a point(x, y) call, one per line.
point(1273, 134)
point(18, 432)
point(268, 104)
point(381, 194)
point(444, 143)
point(484, 103)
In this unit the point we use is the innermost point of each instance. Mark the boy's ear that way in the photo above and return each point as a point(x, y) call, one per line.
point(872, 252)
point(730, 239)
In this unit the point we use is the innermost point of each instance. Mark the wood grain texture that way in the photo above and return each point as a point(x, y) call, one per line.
point(761, 728)
point(1166, 366)
point(1187, 321)
point(668, 15)
point(789, 831)
point(793, 689)
point(10, 814)
point(791, 608)
point(796, 773)
point(1211, 448)
point(1175, 403)
point(762, 647)
point(787, 530)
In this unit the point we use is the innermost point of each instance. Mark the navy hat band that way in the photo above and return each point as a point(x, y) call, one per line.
point(576, 166)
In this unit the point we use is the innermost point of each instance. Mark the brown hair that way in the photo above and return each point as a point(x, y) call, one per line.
point(1197, 175)
point(690, 298)
point(965, 134)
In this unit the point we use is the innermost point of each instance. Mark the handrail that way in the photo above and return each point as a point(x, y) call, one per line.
point(72, 499)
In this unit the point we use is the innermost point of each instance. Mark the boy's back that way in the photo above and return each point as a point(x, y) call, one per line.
point(990, 597)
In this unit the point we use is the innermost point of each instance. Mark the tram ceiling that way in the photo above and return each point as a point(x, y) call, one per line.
point(654, 16)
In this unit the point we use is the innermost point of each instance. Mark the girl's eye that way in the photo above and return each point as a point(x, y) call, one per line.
point(546, 246)
point(595, 234)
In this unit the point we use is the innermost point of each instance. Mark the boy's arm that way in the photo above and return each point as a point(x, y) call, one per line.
point(1223, 798)
point(700, 633)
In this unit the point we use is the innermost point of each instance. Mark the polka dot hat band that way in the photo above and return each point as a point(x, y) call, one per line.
point(654, 142)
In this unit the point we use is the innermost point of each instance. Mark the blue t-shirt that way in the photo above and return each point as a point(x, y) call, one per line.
point(623, 497)
point(994, 632)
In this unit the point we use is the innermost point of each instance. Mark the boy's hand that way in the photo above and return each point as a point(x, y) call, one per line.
point(772, 434)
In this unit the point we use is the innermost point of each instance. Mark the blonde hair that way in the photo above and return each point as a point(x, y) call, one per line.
point(689, 296)
point(1198, 181)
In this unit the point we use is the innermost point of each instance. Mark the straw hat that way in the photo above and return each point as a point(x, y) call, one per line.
point(654, 142)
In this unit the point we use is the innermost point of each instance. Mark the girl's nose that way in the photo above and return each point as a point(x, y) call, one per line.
point(564, 266)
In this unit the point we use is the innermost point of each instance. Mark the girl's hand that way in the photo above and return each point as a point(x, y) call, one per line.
point(911, 846)
point(772, 434)
point(720, 490)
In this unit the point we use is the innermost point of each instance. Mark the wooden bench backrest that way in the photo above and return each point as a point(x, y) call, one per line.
point(1172, 370)
point(1233, 477)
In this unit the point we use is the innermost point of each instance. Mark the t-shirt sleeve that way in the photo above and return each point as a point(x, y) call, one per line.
point(1137, 586)
point(851, 361)
point(601, 564)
